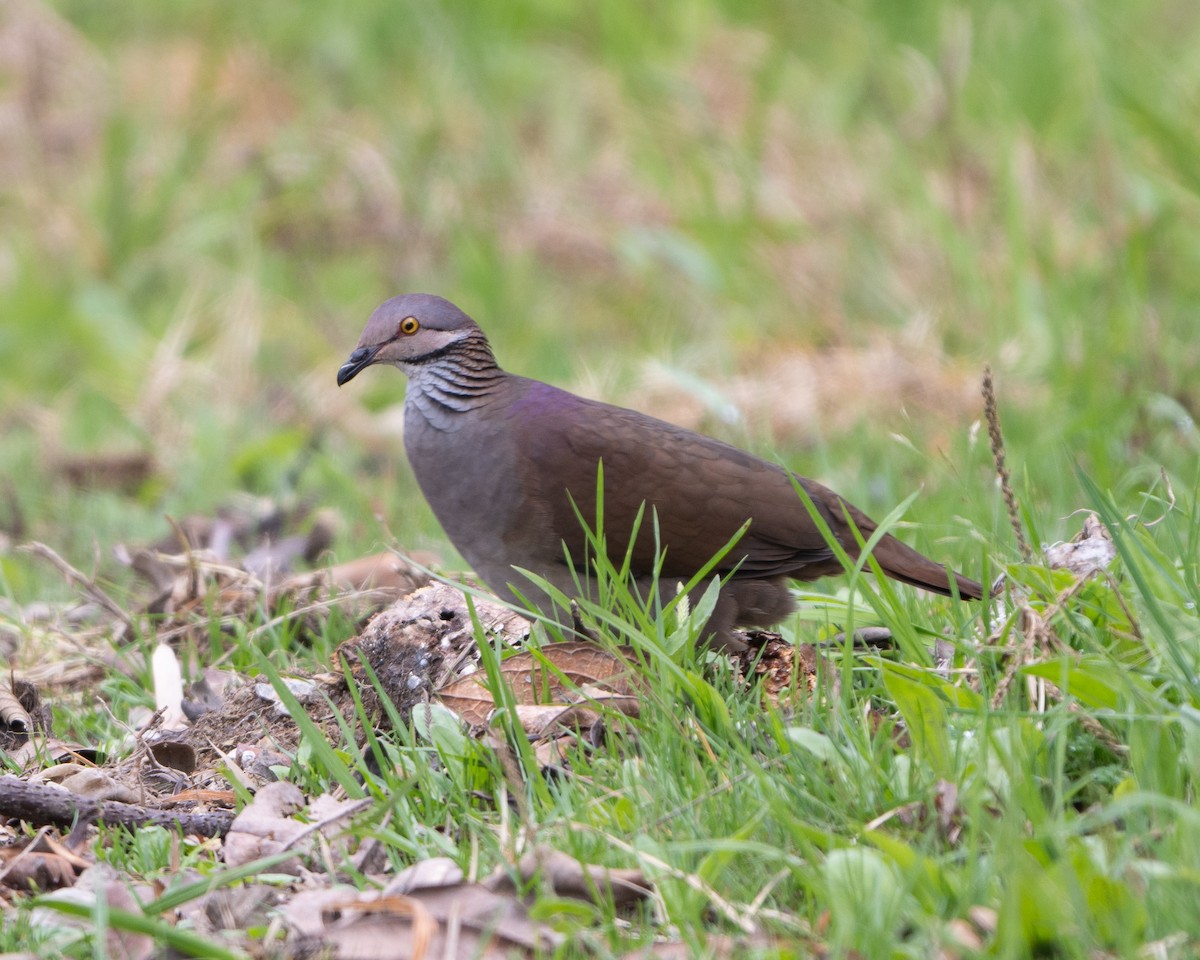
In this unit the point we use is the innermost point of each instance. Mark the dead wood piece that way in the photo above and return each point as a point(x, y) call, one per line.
point(50, 806)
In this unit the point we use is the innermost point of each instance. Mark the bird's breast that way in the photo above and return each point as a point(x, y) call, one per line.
point(471, 475)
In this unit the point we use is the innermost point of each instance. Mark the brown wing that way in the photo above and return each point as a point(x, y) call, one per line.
point(701, 490)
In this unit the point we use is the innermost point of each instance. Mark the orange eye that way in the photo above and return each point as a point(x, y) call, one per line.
point(409, 326)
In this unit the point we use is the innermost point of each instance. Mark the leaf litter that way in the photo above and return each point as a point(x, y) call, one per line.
point(223, 733)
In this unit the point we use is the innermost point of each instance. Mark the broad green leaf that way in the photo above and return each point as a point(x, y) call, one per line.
point(955, 695)
point(1095, 685)
point(925, 716)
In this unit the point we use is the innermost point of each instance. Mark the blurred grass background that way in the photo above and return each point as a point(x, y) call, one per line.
point(802, 227)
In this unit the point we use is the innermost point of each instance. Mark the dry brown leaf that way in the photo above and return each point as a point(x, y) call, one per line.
point(540, 720)
point(962, 935)
point(268, 826)
point(418, 915)
point(362, 925)
point(41, 864)
point(265, 826)
point(431, 872)
point(35, 872)
point(470, 699)
point(378, 571)
point(546, 720)
point(551, 752)
point(579, 662)
point(949, 813)
point(173, 754)
point(100, 882)
point(90, 782)
point(550, 687)
point(37, 751)
point(986, 919)
point(602, 698)
point(226, 908)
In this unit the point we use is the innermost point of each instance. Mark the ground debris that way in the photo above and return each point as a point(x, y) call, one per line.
point(424, 641)
point(1089, 551)
point(790, 674)
point(44, 804)
point(194, 577)
point(427, 910)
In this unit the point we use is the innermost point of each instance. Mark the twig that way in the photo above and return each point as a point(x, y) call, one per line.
point(347, 810)
point(997, 438)
point(1038, 634)
point(87, 583)
point(49, 806)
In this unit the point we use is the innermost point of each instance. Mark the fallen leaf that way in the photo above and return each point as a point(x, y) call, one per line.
point(724, 947)
point(100, 883)
point(544, 720)
point(378, 571)
point(41, 863)
point(426, 911)
point(38, 751)
point(431, 872)
point(91, 782)
point(469, 699)
point(232, 908)
point(174, 754)
point(265, 827)
point(551, 687)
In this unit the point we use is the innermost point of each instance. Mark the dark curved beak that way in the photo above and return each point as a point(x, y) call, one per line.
point(359, 360)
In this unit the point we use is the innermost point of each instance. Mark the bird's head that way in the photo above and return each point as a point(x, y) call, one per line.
point(406, 331)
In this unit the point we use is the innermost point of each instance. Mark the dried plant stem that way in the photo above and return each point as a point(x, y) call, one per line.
point(88, 584)
point(997, 439)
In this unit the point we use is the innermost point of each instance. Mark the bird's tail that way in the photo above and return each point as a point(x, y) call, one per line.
point(901, 562)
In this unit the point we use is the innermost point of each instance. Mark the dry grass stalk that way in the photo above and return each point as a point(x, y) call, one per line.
point(998, 455)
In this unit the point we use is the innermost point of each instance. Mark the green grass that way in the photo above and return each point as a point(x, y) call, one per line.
point(202, 203)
